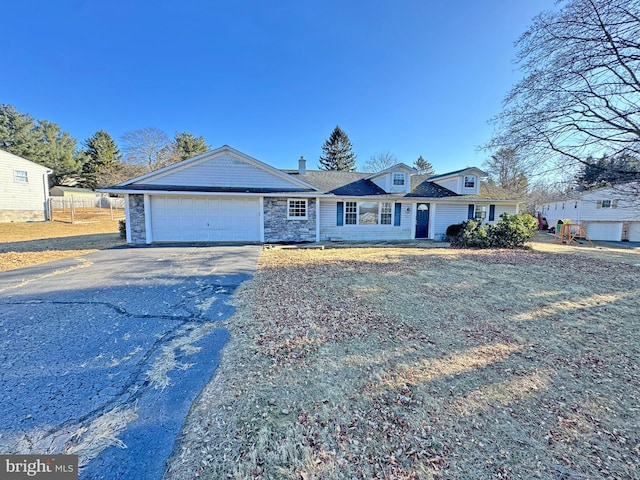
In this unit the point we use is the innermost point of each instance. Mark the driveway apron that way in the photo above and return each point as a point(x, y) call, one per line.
point(103, 355)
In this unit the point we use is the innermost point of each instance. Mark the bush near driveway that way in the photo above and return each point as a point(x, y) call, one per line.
point(419, 364)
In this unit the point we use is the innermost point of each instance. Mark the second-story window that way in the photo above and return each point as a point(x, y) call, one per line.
point(469, 181)
point(398, 178)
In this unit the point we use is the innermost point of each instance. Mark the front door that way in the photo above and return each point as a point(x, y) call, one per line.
point(422, 220)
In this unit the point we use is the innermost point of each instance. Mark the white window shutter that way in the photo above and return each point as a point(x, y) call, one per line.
point(599, 204)
point(614, 203)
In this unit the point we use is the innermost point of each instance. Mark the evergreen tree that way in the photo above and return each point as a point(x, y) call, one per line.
point(337, 152)
point(57, 151)
point(608, 171)
point(17, 133)
point(186, 145)
point(423, 167)
point(101, 156)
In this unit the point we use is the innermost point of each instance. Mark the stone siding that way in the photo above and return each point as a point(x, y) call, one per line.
point(136, 219)
point(277, 228)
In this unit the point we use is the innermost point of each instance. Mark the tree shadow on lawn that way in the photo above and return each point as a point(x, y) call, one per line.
point(474, 365)
point(97, 241)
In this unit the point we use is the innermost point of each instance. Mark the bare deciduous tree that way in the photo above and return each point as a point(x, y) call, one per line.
point(380, 161)
point(149, 146)
point(580, 95)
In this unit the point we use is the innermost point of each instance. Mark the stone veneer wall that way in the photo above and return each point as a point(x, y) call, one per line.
point(136, 219)
point(278, 229)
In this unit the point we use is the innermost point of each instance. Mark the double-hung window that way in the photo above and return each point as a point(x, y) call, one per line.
point(398, 178)
point(20, 176)
point(350, 213)
point(385, 214)
point(297, 209)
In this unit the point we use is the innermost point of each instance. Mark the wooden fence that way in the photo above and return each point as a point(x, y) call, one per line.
point(85, 209)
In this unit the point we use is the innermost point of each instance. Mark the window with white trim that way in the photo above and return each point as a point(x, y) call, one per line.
point(469, 181)
point(385, 214)
point(296, 209)
point(368, 213)
point(398, 178)
point(606, 203)
point(480, 212)
point(20, 176)
point(350, 213)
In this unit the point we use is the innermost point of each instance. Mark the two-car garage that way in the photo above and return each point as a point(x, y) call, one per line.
point(177, 218)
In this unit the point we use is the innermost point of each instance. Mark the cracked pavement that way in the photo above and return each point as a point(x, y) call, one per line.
point(103, 355)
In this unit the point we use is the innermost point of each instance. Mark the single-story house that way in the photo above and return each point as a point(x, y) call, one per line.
point(62, 191)
point(609, 213)
point(226, 195)
point(25, 189)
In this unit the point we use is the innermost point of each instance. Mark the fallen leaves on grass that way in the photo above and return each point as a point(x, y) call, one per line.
point(413, 364)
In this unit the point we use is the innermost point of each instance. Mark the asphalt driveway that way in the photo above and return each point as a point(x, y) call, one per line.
point(102, 356)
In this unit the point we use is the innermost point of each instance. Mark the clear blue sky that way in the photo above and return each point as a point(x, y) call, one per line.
point(270, 78)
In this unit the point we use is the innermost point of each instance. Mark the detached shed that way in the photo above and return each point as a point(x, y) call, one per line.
point(60, 191)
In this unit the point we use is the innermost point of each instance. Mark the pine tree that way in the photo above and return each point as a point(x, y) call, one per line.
point(337, 152)
point(186, 145)
point(424, 167)
point(101, 156)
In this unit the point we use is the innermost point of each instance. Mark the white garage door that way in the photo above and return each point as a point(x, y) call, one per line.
point(634, 232)
point(611, 231)
point(202, 219)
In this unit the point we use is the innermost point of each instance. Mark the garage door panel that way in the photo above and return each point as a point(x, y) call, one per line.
point(634, 232)
point(609, 231)
point(201, 219)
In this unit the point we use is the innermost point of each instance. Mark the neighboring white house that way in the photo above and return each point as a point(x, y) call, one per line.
point(611, 213)
point(226, 195)
point(24, 189)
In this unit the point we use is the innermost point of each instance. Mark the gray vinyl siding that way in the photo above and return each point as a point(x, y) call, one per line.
point(221, 171)
point(329, 229)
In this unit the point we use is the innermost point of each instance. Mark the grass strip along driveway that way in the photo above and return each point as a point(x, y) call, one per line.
point(418, 363)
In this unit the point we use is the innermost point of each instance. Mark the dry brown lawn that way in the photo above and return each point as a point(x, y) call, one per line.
point(418, 364)
point(32, 243)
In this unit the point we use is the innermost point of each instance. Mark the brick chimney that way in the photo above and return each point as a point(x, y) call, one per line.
point(302, 165)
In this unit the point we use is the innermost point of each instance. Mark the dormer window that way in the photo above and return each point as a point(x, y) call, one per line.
point(398, 179)
point(469, 181)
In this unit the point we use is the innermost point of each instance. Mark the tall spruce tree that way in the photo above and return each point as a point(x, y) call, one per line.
point(101, 157)
point(337, 152)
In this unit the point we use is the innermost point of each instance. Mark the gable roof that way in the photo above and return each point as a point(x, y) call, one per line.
point(63, 188)
point(474, 170)
point(397, 166)
point(11, 157)
point(149, 177)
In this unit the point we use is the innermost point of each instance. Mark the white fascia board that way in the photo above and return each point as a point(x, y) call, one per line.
point(199, 193)
point(396, 167)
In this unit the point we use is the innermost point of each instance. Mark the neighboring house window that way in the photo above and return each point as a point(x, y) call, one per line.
point(398, 178)
point(469, 181)
point(20, 176)
point(606, 203)
point(297, 210)
point(350, 213)
point(385, 214)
